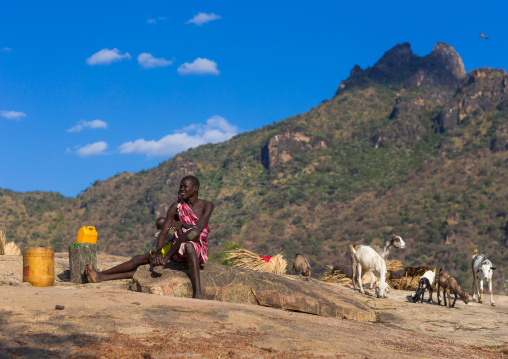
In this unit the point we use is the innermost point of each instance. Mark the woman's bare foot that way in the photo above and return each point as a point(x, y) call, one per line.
point(92, 273)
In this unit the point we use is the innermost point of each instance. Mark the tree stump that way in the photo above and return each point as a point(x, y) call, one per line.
point(79, 255)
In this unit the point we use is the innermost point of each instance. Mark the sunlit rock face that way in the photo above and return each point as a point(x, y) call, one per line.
point(481, 91)
point(282, 147)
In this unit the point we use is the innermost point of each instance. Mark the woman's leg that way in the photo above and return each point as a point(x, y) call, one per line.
point(193, 261)
point(185, 237)
point(125, 270)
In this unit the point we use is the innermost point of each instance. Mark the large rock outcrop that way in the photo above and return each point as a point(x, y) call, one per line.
point(443, 67)
point(282, 147)
point(483, 90)
point(235, 285)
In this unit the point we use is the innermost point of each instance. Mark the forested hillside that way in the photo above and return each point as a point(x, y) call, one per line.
point(412, 146)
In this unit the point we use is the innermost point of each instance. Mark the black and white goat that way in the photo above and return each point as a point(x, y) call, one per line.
point(425, 283)
point(482, 270)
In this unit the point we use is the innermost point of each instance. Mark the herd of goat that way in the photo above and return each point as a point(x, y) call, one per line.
point(372, 259)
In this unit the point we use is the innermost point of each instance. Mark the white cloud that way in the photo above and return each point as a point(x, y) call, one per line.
point(12, 115)
point(154, 21)
point(92, 149)
point(149, 62)
point(107, 56)
point(217, 129)
point(202, 18)
point(6, 49)
point(200, 66)
point(88, 124)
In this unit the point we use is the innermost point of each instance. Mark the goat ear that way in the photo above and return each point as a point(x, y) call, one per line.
point(493, 268)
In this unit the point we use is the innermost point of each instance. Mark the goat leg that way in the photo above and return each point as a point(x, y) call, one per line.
point(481, 290)
point(491, 295)
point(359, 277)
point(453, 305)
point(430, 293)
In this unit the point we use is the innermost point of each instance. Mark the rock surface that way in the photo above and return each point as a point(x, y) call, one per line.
point(102, 321)
point(105, 323)
point(236, 285)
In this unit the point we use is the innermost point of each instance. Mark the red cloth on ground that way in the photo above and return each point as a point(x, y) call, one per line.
point(266, 258)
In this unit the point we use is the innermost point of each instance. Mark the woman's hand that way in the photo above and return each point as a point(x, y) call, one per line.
point(158, 260)
point(176, 225)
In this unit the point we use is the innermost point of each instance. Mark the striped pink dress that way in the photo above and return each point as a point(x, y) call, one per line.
point(186, 215)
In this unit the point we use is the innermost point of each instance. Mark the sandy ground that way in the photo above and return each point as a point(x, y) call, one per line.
point(106, 321)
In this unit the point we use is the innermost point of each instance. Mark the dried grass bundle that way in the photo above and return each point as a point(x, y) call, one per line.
point(335, 276)
point(243, 258)
point(410, 280)
point(393, 265)
point(8, 249)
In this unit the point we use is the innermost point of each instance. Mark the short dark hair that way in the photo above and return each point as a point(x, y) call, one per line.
point(160, 222)
point(193, 179)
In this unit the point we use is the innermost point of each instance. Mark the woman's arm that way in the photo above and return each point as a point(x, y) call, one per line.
point(170, 217)
point(207, 212)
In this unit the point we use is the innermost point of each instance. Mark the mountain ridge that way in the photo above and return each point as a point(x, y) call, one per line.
point(412, 145)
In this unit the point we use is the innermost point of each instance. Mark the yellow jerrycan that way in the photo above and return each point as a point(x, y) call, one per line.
point(39, 266)
point(87, 234)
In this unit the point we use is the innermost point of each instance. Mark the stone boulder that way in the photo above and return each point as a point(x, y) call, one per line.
point(236, 285)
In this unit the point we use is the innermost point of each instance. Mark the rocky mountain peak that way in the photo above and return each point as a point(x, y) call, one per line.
point(450, 59)
point(400, 67)
point(395, 58)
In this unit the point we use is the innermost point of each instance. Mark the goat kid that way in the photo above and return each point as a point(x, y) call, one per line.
point(425, 283)
point(482, 270)
point(367, 258)
point(450, 286)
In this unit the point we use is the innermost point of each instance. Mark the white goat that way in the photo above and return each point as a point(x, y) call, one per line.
point(367, 258)
point(482, 270)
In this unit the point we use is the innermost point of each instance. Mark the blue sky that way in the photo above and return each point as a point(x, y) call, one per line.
point(90, 89)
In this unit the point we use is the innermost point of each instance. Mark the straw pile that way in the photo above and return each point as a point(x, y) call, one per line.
point(335, 276)
point(392, 265)
point(243, 258)
point(8, 249)
point(410, 279)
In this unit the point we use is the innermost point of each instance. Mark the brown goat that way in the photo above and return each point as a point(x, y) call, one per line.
point(449, 285)
point(301, 266)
